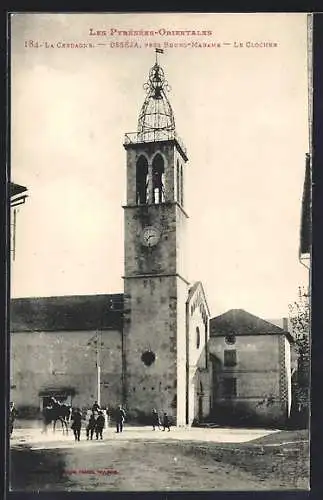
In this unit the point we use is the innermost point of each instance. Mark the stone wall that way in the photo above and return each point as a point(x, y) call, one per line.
point(45, 360)
point(151, 325)
point(155, 292)
point(182, 290)
point(259, 373)
point(158, 259)
point(198, 369)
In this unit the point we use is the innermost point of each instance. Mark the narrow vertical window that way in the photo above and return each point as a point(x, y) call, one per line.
point(198, 338)
point(141, 180)
point(206, 343)
point(177, 183)
point(182, 186)
point(158, 179)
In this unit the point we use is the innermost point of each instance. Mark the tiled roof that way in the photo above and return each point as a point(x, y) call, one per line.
point(240, 322)
point(75, 312)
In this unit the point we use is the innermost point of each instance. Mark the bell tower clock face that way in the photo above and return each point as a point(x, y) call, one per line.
point(150, 236)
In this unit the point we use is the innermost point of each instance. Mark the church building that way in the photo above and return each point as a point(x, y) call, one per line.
point(150, 346)
point(156, 350)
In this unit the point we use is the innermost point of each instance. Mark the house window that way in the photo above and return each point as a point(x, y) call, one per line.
point(229, 387)
point(230, 357)
point(198, 337)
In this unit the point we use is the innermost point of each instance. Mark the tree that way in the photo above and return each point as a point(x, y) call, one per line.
point(299, 316)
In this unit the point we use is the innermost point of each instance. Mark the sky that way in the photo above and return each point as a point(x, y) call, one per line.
point(241, 110)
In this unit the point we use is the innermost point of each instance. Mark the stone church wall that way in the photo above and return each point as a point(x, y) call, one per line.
point(181, 352)
point(199, 388)
point(150, 325)
point(155, 318)
point(46, 360)
point(141, 260)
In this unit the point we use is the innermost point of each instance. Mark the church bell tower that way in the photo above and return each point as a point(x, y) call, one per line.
point(155, 281)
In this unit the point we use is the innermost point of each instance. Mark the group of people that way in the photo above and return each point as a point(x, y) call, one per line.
point(96, 422)
point(96, 425)
point(155, 420)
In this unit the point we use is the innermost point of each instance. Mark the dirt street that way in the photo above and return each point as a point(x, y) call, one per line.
point(143, 460)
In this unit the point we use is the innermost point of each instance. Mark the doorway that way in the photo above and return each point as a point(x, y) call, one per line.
point(63, 396)
point(200, 408)
point(200, 403)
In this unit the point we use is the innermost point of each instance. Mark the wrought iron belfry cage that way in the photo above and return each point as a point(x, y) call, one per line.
point(156, 118)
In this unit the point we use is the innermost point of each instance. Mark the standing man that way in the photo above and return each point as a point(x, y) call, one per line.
point(77, 423)
point(99, 425)
point(120, 418)
point(96, 406)
point(90, 428)
point(12, 416)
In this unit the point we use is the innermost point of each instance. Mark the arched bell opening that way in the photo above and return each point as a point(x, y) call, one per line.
point(141, 180)
point(158, 179)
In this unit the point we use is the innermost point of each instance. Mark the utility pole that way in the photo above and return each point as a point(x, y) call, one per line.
point(96, 341)
point(98, 365)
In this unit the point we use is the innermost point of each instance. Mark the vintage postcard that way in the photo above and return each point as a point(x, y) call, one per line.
point(160, 251)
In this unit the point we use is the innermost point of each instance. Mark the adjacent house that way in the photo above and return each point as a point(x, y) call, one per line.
point(251, 369)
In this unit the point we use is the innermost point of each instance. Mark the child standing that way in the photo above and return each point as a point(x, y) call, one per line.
point(166, 422)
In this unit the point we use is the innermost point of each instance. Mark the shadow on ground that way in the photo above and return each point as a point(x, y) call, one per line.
point(35, 470)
